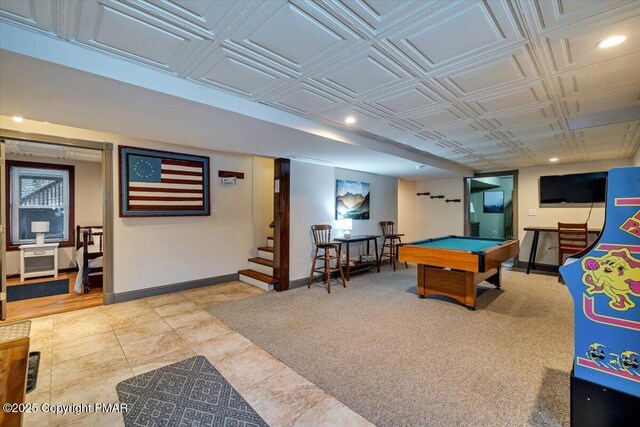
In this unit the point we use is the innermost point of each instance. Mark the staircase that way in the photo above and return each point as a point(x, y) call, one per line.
point(260, 273)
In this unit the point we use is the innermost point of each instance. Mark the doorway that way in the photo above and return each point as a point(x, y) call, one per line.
point(56, 223)
point(491, 205)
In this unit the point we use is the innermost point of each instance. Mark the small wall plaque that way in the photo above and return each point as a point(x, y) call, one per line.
point(230, 174)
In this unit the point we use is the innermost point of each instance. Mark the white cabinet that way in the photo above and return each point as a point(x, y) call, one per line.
point(38, 260)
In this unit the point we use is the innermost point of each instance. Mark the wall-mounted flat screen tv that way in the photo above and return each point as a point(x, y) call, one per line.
point(575, 188)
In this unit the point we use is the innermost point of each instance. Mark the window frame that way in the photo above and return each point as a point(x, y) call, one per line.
point(10, 164)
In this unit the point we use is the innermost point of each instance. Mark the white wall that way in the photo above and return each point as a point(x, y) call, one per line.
point(150, 252)
point(435, 217)
point(383, 201)
point(313, 193)
point(262, 200)
point(549, 216)
point(88, 204)
point(407, 202)
point(312, 201)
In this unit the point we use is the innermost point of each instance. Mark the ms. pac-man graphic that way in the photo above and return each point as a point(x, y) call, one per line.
point(616, 274)
point(632, 225)
point(605, 286)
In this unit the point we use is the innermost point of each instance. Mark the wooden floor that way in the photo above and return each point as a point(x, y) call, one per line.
point(44, 306)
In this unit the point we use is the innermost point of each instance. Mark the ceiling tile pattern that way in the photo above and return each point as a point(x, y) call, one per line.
point(488, 84)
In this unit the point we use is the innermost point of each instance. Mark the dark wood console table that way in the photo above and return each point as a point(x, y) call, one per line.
point(360, 266)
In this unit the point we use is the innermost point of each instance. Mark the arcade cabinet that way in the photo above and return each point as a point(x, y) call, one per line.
point(604, 281)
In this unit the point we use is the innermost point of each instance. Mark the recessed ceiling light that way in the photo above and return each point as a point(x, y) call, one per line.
point(553, 159)
point(350, 120)
point(611, 41)
point(18, 119)
point(46, 123)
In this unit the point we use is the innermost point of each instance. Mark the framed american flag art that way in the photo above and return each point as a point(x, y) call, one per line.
point(160, 183)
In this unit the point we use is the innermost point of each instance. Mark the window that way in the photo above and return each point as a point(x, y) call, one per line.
point(40, 192)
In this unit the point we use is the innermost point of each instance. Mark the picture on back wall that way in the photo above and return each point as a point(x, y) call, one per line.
point(493, 202)
point(352, 199)
point(160, 183)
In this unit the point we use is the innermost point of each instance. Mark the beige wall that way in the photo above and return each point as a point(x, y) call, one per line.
point(435, 217)
point(550, 215)
point(262, 200)
point(636, 158)
point(88, 204)
point(407, 201)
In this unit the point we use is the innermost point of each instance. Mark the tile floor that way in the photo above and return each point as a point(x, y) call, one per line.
point(86, 353)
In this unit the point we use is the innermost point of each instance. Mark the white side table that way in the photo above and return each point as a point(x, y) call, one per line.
point(37, 252)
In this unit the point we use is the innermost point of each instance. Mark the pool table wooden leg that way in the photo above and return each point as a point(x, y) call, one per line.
point(420, 290)
point(470, 290)
point(495, 280)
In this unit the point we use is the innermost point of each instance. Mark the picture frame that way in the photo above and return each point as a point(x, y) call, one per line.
point(352, 199)
point(161, 183)
point(493, 202)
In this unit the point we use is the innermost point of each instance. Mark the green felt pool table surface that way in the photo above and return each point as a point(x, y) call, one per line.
point(471, 244)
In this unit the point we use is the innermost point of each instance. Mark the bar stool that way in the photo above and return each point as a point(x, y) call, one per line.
point(322, 240)
point(390, 241)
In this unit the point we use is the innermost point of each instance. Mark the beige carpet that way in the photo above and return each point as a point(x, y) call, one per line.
point(403, 361)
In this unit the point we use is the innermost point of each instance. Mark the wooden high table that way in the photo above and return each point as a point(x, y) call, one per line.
point(360, 265)
point(536, 235)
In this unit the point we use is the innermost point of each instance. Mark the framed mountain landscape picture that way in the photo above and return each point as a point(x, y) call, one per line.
point(352, 199)
point(161, 183)
point(493, 202)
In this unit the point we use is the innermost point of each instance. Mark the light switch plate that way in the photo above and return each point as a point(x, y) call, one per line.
point(532, 212)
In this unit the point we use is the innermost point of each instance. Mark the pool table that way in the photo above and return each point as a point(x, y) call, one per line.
point(454, 265)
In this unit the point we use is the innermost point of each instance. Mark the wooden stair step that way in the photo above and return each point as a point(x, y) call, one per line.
point(265, 278)
point(266, 248)
point(262, 261)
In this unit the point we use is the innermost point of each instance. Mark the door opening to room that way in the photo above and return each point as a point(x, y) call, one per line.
point(53, 238)
point(490, 203)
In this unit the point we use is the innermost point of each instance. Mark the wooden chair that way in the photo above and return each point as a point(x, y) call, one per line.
point(322, 240)
point(572, 238)
point(390, 241)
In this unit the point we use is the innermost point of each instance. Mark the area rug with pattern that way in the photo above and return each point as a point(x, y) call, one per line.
point(190, 392)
